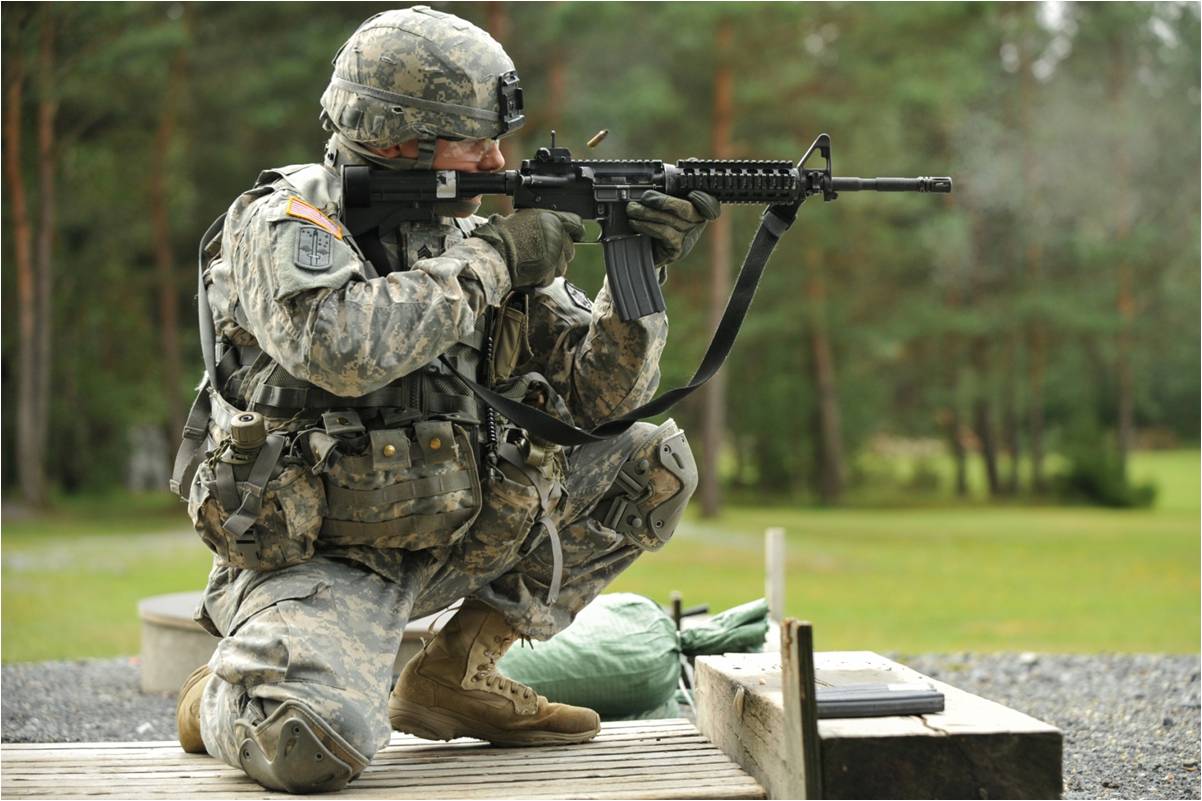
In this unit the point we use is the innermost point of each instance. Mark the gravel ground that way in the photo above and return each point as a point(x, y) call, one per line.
point(1131, 722)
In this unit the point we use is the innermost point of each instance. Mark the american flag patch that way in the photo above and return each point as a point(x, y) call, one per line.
point(302, 210)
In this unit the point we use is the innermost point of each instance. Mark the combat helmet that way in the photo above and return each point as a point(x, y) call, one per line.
point(424, 74)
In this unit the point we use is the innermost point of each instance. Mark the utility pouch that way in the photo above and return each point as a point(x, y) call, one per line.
point(511, 507)
point(260, 516)
point(510, 337)
point(410, 488)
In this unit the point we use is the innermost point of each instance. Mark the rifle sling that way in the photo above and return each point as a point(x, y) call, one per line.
point(775, 221)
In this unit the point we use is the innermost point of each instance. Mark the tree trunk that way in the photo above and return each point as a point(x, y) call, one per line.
point(30, 459)
point(164, 260)
point(47, 225)
point(713, 427)
point(983, 419)
point(1011, 432)
point(1036, 328)
point(959, 453)
point(1125, 300)
point(828, 434)
point(1035, 372)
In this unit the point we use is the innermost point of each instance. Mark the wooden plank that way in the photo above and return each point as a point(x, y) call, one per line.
point(637, 759)
point(465, 750)
point(637, 752)
point(802, 777)
point(975, 748)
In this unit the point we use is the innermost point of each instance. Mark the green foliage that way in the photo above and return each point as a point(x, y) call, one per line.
point(1053, 119)
point(1096, 473)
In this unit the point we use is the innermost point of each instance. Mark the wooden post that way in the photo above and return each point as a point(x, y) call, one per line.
point(801, 710)
point(677, 608)
point(774, 573)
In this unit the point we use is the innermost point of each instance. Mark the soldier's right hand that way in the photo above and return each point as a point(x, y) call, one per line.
point(536, 244)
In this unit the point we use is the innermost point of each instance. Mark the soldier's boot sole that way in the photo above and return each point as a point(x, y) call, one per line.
point(444, 724)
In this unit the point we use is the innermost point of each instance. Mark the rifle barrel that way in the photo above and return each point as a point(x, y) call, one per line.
point(942, 185)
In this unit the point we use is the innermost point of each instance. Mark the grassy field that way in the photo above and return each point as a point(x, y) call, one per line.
point(965, 577)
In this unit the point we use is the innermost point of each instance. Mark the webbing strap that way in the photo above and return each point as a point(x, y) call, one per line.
point(350, 532)
point(191, 447)
point(776, 220)
point(422, 103)
point(511, 454)
point(343, 501)
point(254, 486)
point(278, 397)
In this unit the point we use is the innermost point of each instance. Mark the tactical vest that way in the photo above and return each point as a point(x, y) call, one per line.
point(399, 467)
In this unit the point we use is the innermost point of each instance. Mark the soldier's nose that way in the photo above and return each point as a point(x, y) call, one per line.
point(493, 158)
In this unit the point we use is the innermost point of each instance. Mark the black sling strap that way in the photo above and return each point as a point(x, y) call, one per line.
point(775, 221)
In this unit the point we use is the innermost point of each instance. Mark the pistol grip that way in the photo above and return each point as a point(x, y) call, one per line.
point(633, 280)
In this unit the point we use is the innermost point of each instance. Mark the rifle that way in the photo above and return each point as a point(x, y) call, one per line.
point(376, 199)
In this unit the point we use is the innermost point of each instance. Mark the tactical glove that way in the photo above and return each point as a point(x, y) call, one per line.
point(674, 224)
point(536, 244)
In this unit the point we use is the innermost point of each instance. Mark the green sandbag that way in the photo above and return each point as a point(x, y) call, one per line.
point(621, 656)
point(740, 629)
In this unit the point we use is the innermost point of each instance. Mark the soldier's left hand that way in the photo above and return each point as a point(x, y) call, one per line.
point(674, 224)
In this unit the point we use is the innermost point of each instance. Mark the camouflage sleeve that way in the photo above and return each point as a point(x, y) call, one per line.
point(602, 367)
point(310, 306)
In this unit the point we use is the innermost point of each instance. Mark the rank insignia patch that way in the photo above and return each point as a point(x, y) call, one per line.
point(578, 297)
point(302, 210)
point(314, 249)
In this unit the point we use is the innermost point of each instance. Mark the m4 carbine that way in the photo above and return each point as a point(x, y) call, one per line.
point(377, 199)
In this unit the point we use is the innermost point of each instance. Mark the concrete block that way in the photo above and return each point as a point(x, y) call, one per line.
point(173, 644)
point(975, 748)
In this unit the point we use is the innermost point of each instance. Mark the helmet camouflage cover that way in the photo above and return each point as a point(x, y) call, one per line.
point(419, 73)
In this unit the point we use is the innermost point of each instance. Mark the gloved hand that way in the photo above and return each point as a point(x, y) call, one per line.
point(536, 244)
point(674, 224)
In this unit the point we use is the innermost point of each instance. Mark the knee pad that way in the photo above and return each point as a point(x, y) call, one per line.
point(652, 489)
point(295, 751)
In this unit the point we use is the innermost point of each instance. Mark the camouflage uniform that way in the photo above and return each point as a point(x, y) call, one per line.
point(326, 629)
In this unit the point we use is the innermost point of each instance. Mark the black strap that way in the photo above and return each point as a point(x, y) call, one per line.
point(191, 448)
point(775, 222)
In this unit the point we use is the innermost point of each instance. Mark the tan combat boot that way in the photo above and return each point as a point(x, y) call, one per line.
point(452, 689)
point(187, 710)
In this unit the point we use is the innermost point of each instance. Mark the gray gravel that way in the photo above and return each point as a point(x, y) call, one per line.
point(1131, 721)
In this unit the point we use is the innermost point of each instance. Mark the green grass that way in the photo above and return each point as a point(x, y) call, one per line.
point(916, 579)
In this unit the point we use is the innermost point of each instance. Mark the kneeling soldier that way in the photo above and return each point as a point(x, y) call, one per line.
point(345, 478)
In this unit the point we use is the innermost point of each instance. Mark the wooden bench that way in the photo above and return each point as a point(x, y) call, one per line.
point(637, 759)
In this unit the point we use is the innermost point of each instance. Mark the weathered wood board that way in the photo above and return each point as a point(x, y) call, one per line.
point(975, 748)
point(638, 759)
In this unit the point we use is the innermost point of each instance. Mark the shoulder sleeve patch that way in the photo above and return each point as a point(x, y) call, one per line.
point(578, 297)
point(314, 249)
point(302, 210)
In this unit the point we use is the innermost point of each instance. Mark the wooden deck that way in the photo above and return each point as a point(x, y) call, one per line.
point(638, 759)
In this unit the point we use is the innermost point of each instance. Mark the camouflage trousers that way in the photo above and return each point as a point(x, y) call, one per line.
point(327, 631)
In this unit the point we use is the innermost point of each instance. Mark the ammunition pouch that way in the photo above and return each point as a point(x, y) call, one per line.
point(523, 489)
point(258, 516)
point(413, 488)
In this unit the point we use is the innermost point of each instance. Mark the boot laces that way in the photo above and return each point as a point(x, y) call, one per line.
point(493, 679)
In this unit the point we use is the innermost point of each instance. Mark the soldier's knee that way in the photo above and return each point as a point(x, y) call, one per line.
point(296, 750)
point(652, 489)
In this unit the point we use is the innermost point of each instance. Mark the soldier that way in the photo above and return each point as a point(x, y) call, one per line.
point(345, 477)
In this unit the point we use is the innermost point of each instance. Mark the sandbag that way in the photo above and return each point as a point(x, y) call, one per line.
point(621, 657)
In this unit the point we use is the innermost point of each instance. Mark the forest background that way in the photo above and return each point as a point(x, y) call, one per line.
point(1020, 343)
